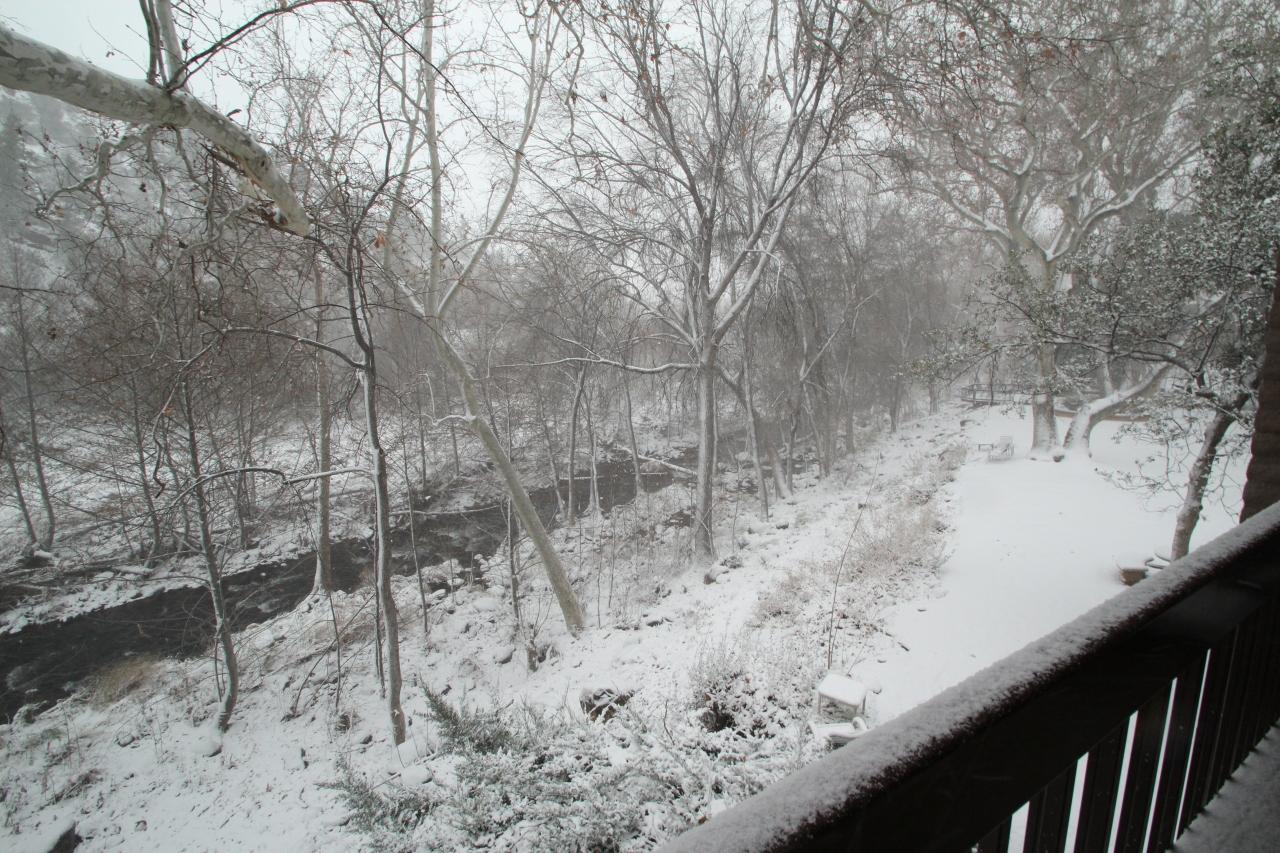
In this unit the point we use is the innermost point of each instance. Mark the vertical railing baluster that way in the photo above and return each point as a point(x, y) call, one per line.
point(1048, 814)
point(1252, 692)
point(1215, 688)
point(1241, 745)
point(1101, 783)
point(1232, 707)
point(997, 840)
point(1261, 683)
point(1177, 753)
point(1272, 677)
point(1144, 759)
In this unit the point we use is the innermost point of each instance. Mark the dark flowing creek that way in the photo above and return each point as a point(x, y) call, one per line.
point(44, 662)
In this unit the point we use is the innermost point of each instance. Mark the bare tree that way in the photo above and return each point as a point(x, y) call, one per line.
point(434, 298)
point(691, 158)
point(1038, 123)
point(19, 269)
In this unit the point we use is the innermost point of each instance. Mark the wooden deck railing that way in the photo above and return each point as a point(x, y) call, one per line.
point(991, 393)
point(1114, 731)
point(999, 393)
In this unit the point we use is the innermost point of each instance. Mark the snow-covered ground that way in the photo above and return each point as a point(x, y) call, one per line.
point(1242, 818)
point(914, 565)
point(1035, 544)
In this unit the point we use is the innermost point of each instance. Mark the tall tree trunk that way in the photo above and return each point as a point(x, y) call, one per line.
point(790, 445)
point(593, 494)
point(172, 466)
point(435, 268)
point(703, 531)
point(413, 546)
point(1198, 476)
point(895, 402)
point(388, 622)
point(1044, 424)
point(631, 434)
point(17, 480)
point(144, 476)
point(246, 492)
point(551, 457)
point(382, 551)
point(324, 456)
point(811, 409)
point(37, 454)
point(222, 626)
point(762, 488)
point(420, 418)
point(572, 514)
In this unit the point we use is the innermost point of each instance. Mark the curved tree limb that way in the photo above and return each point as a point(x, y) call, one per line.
point(31, 66)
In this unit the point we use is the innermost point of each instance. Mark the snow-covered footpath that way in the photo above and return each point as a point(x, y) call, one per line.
point(911, 567)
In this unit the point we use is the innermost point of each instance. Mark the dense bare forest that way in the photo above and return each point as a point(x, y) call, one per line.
point(346, 320)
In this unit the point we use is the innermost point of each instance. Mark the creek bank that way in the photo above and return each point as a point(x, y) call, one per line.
point(45, 661)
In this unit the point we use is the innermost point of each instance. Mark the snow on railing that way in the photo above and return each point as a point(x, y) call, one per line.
point(1155, 697)
point(992, 393)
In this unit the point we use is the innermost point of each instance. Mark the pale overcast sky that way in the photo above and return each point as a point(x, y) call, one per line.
point(106, 32)
point(111, 35)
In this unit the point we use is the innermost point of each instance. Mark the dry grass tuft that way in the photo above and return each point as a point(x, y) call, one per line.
point(116, 681)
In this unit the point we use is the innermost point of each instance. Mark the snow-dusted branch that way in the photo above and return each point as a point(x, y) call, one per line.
point(31, 66)
point(667, 367)
point(297, 339)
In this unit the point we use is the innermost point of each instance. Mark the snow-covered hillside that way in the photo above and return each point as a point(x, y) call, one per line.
point(916, 563)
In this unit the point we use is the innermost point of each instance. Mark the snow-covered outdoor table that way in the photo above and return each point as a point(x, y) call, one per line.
point(844, 691)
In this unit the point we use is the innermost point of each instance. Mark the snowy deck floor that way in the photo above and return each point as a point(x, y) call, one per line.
point(1244, 817)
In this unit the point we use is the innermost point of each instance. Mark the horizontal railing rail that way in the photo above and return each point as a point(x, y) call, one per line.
point(992, 393)
point(996, 392)
point(1114, 731)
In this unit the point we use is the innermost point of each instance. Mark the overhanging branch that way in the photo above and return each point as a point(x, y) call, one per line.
point(27, 65)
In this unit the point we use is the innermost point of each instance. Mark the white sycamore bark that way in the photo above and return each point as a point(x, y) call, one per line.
point(31, 66)
point(433, 306)
point(1089, 413)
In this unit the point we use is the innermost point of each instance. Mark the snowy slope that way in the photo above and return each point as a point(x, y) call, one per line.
point(912, 566)
point(1036, 543)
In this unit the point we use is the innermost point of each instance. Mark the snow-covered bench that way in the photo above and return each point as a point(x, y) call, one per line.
point(1001, 448)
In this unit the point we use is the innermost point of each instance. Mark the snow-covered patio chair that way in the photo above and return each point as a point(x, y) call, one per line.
point(1002, 449)
point(839, 734)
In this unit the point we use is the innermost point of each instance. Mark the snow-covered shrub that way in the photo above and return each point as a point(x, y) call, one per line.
point(383, 811)
point(895, 548)
point(574, 788)
point(786, 599)
point(470, 730)
point(901, 544)
point(560, 782)
point(749, 691)
point(930, 472)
